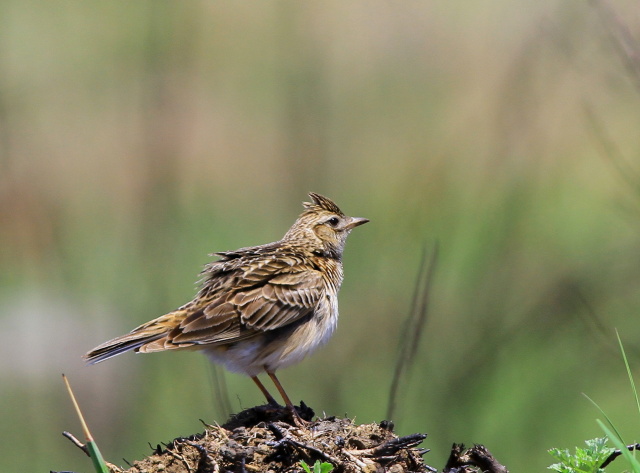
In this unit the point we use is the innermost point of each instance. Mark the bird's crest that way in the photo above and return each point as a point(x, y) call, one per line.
point(321, 202)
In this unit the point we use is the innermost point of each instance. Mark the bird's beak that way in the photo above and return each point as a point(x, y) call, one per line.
point(356, 221)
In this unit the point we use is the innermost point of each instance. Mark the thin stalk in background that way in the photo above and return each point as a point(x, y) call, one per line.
point(413, 327)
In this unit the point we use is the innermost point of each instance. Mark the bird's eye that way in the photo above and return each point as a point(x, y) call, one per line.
point(333, 221)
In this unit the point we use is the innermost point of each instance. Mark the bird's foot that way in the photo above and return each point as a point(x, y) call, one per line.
point(301, 416)
point(298, 421)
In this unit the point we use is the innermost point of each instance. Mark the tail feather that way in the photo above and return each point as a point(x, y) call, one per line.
point(136, 339)
point(117, 346)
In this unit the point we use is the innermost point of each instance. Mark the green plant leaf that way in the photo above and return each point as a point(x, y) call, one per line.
point(304, 466)
point(326, 467)
point(584, 460)
point(317, 467)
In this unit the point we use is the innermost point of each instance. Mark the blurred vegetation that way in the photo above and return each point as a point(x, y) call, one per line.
point(137, 137)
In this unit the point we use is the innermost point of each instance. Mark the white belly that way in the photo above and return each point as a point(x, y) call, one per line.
point(279, 349)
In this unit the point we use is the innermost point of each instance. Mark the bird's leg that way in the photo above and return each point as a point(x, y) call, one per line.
point(299, 421)
point(266, 393)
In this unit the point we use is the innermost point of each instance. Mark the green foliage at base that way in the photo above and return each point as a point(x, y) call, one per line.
point(317, 467)
point(585, 460)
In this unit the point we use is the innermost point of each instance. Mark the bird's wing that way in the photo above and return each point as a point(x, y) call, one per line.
point(242, 297)
point(270, 296)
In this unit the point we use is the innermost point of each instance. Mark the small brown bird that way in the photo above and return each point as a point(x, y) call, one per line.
point(260, 308)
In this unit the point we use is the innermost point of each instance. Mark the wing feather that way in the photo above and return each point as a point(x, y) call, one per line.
point(245, 293)
point(281, 293)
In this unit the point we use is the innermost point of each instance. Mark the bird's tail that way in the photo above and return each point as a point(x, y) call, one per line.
point(145, 338)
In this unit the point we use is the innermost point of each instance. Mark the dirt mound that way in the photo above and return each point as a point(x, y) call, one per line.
point(259, 440)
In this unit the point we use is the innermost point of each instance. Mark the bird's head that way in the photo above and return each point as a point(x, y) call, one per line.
point(323, 227)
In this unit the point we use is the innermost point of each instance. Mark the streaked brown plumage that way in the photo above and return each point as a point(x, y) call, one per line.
point(260, 308)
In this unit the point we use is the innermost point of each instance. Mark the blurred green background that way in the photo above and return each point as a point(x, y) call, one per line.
point(137, 137)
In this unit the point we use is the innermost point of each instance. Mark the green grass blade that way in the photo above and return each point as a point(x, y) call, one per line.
point(611, 426)
point(620, 445)
point(626, 363)
point(96, 457)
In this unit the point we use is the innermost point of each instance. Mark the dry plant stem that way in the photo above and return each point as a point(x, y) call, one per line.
point(91, 448)
point(617, 453)
point(303, 446)
point(413, 327)
point(181, 458)
point(392, 446)
point(76, 442)
point(476, 456)
point(85, 429)
point(219, 385)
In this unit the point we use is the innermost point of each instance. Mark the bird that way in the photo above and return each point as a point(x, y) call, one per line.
point(260, 308)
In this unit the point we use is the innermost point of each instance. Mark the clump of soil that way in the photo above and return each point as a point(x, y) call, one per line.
point(263, 439)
